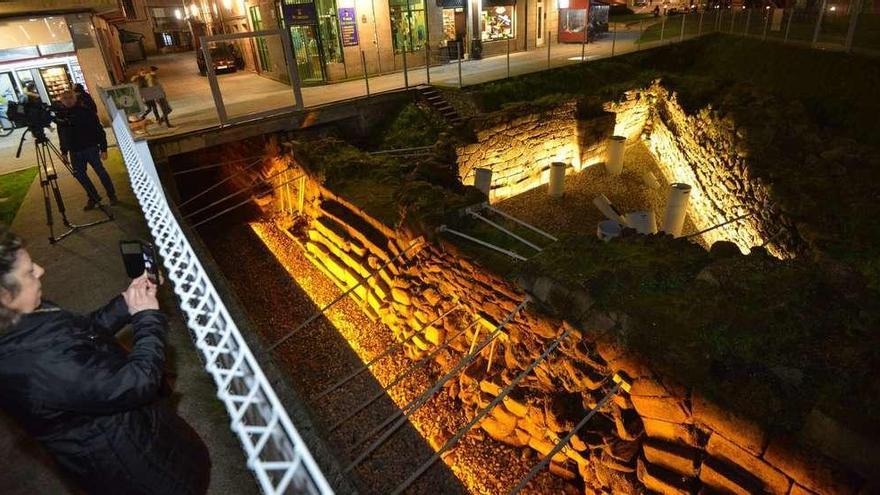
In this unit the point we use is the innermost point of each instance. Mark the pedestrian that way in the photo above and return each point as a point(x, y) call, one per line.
point(93, 405)
point(84, 97)
point(153, 94)
point(82, 136)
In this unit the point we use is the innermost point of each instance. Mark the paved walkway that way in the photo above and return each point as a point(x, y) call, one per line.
point(247, 93)
point(83, 272)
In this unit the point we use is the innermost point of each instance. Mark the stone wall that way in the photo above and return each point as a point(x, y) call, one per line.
point(707, 151)
point(519, 145)
point(660, 437)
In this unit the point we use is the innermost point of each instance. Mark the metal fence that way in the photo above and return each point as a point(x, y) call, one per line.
point(275, 451)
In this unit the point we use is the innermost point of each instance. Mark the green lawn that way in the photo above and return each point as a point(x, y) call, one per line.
point(13, 187)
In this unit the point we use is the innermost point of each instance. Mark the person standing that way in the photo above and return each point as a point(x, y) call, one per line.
point(85, 98)
point(96, 407)
point(82, 136)
point(153, 94)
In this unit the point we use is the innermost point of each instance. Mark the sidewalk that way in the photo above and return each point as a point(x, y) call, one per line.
point(247, 93)
point(83, 272)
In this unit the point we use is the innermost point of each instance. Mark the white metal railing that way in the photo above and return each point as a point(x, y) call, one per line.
point(275, 451)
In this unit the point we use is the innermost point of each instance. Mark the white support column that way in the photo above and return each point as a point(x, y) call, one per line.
point(483, 180)
point(614, 156)
point(676, 208)
point(556, 186)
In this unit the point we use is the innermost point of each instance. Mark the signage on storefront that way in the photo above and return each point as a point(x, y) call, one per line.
point(451, 4)
point(299, 14)
point(348, 26)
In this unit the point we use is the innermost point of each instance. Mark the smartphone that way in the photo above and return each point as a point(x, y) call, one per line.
point(139, 257)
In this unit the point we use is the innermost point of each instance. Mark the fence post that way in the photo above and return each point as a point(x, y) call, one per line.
point(639, 39)
point(788, 25)
point(508, 56)
point(584, 41)
point(662, 27)
point(458, 47)
point(732, 19)
point(748, 21)
point(818, 23)
point(683, 19)
point(700, 24)
point(405, 71)
point(853, 21)
point(549, 42)
point(301, 194)
point(428, 62)
point(366, 78)
point(613, 39)
point(767, 14)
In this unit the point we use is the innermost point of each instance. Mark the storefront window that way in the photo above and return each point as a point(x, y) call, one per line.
point(328, 26)
point(409, 31)
point(498, 21)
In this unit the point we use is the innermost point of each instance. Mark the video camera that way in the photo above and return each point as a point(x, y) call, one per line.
point(35, 115)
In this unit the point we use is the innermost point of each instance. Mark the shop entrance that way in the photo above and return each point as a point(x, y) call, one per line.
point(306, 50)
point(454, 30)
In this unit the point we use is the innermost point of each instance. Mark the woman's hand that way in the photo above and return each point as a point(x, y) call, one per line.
point(140, 295)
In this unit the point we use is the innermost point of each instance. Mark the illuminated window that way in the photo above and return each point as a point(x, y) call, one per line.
point(409, 30)
point(498, 21)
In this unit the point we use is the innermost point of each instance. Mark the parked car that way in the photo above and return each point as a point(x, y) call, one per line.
point(225, 57)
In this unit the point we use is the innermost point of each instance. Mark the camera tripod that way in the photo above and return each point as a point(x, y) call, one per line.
point(47, 154)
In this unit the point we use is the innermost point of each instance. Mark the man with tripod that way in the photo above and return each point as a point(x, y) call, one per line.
point(81, 135)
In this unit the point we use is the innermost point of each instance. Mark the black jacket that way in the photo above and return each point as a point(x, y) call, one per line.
point(96, 407)
point(79, 129)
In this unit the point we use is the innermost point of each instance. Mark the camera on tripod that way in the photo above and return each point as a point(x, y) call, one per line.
point(36, 116)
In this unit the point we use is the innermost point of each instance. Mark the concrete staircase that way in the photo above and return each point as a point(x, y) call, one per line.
point(435, 98)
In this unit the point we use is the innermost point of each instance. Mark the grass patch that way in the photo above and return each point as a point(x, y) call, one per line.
point(411, 126)
point(13, 188)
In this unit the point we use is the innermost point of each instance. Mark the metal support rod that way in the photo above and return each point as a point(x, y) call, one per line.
point(405, 71)
point(428, 63)
point(788, 26)
point(402, 150)
point(257, 159)
point(214, 186)
point(662, 27)
point(399, 378)
point(549, 43)
point(364, 66)
point(641, 32)
point(748, 21)
point(766, 23)
point(418, 402)
point(387, 352)
point(584, 41)
point(458, 47)
point(732, 19)
point(502, 229)
point(508, 56)
point(613, 38)
point(719, 225)
point(681, 36)
point(853, 22)
point(227, 210)
point(513, 255)
point(700, 24)
point(819, 18)
point(562, 443)
point(479, 416)
point(520, 222)
point(236, 193)
point(338, 298)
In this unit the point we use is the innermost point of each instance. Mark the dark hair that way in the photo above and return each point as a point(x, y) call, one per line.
point(10, 244)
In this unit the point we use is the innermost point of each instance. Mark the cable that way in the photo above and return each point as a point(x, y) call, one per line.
point(190, 200)
point(216, 165)
point(237, 192)
point(237, 205)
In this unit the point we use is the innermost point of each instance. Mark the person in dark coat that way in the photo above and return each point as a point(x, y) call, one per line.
point(85, 98)
point(93, 405)
point(80, 133)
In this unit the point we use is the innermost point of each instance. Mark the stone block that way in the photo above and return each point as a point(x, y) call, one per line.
point(676, 457)
point(809, 469)
point(663, 408)
point(742, 432)
point(724, 478)
point(496, 429)
point(772, 480)
point(835, 440)
point(673, 432)
point(648, 387)
point(520, 409)
point(660, 480)
point(504, 416)
point(799, 490)
point(544, 447)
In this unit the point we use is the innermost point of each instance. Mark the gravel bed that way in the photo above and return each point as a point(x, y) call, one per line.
point(278, 295)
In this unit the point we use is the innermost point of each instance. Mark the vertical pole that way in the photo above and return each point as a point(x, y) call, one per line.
point(613, 39)
point(301, 195)
point(788, 25)
point(584, 41)
point(405, 71)
point(767, 14)
point(662, 28)
point(287, 41)
point(639, 39)
point(819, 23)
point(508, 56)
point(549, 42)
point(683, 19)
point(748, 21)
point(458, 47)
point(428, 62)
point(700, 25)
point(732, 19)
point(853, 21)
point(364, 66)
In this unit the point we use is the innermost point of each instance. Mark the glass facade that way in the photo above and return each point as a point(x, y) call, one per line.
point(498, 22)
point(262, 47)
point(328, 26)
point(409, 29)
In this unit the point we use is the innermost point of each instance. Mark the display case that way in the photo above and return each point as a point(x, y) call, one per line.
point(57, 80)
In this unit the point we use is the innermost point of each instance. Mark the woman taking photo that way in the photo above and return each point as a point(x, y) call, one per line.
point(94, 406)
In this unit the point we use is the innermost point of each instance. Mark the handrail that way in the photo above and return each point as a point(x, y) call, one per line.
point(275, 451)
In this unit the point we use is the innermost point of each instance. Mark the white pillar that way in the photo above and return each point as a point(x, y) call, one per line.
point(614, 159)
point(608, 209)
point(643, 221)
point(676, 208)
point(483, 180)
point(556, 187)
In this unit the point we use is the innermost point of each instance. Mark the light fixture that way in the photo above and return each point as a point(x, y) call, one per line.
point(833, 8)
point(177, 14)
